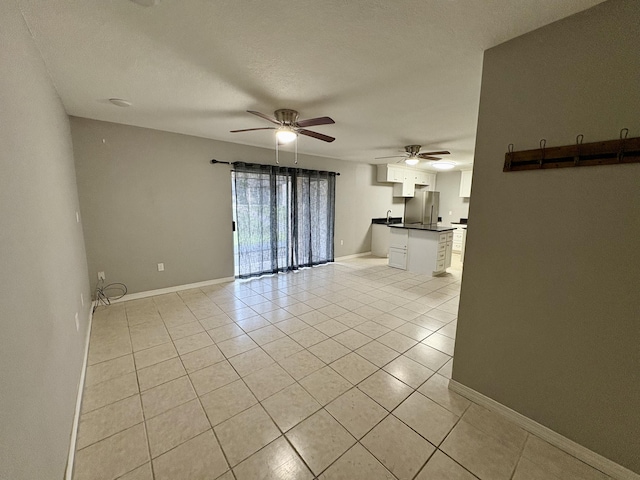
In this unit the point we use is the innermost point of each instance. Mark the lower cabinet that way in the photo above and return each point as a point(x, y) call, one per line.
point(398, 258)
point(458, 239)
point(398, 242)
point(380, 240)
point(420, 251)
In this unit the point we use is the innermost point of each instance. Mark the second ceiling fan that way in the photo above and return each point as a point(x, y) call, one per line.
point(289, 126)
point(412, 155)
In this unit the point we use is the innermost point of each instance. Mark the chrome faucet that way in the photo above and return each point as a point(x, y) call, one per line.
point(388, 215)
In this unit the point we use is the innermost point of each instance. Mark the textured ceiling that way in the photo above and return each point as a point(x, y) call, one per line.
point(389, 72)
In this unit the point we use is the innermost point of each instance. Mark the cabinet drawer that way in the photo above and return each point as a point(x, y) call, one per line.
point(442, 237)
point(442, 255)
point(449, 236)
point(440, 265)
point(457, 236)
point(457, 246)
point(442, 246)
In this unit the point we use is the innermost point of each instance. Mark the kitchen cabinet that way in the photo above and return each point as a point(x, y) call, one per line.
point(459, 235)
point(405, 179)
point(380, 240)
point(404, 189)
point(431, 181)
point(465, 183)
point(391, 173)
point(398, 258)
point(420, 251)
point(398, 239)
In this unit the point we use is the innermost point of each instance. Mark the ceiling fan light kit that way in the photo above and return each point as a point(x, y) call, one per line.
point(286, 135)
point(289, 127)
point(412, 161)
point(443, 165)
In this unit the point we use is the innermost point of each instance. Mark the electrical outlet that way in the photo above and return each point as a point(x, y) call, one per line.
point(82, 299)
point(100, 275)
point(77, 217)
point(77, 322)
point(450, 213)
point(161, 267)
point(341, 242)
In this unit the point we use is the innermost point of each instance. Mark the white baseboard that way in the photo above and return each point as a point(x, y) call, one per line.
point(177, 288)
point(76, 416)
point(589, 457)
point(355, 255)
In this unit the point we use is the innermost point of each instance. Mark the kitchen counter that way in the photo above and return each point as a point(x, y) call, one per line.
point(425, 250)
point(383, 221)
point(419, 226)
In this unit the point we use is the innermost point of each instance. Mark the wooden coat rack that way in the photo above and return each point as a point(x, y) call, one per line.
point(610, 152)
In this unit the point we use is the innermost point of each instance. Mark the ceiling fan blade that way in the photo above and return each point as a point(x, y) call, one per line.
point(427, 157)
point(266, 117)
point(315, 121)
point(393, 156)
point(252, 129)
point(319, 136)
point(442, 152)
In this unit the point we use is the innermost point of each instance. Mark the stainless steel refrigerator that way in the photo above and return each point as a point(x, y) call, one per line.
point(422, 208)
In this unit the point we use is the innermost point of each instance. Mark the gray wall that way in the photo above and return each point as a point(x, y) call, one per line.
point(448, 184)
point(149, 196)
point(549, 321)
point(43, 266)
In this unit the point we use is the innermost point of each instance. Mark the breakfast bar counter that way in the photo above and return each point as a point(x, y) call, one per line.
point(422, 249)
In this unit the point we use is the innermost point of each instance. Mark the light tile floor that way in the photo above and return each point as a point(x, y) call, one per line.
point(334, 372)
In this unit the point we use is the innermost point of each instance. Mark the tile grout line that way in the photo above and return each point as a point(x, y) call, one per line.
point(144, 417)
point(199, 402)
point(172, 340)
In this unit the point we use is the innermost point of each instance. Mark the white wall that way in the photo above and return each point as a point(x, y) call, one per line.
point(549, 320)
point(149, 196)
point(448, 184)
point(43, 266)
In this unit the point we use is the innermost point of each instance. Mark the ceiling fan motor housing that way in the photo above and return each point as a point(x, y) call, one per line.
point(413, 150)
point(286, 116)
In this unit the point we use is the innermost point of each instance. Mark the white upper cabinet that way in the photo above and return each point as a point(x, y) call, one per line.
point(431, 181)
point(391, 173)
point(465, 183)
point(404, 189)
point(405, 179)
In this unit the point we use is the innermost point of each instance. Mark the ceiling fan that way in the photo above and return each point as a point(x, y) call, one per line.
point(412, 156)
point(289, 126)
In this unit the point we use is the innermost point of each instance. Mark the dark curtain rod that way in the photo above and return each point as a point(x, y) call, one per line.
point(214, 161)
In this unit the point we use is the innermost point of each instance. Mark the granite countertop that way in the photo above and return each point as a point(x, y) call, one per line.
point(383, 220)
point(420, 226)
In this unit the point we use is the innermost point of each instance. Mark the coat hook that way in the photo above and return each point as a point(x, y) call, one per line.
point(510, 149)
point(543, 144)
point(579, 139)
point(623, 138)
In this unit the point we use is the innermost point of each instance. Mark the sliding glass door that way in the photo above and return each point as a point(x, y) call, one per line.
point(284, 218)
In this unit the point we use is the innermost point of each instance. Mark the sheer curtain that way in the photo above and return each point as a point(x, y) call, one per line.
point(284, 218)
